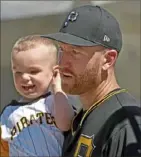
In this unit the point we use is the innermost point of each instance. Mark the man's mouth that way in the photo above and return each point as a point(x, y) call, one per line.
point(67, 75)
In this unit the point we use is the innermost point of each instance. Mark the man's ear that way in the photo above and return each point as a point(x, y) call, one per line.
point(110, 57)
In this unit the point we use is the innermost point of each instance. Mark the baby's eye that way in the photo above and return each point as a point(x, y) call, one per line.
point(33, 72)
point(18, 72)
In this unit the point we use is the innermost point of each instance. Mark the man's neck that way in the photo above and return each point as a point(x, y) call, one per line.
point(92, 96)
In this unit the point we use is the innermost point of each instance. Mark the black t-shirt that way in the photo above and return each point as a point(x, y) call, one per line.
point(113, 129)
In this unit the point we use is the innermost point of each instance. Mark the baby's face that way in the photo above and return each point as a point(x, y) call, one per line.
point(32, 72)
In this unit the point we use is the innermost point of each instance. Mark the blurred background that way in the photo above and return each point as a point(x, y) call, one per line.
point(21, 18)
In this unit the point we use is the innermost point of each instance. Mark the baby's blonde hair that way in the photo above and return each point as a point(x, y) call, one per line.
point(32, 41)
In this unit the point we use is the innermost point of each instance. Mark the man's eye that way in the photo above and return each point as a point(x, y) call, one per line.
point(76, 52)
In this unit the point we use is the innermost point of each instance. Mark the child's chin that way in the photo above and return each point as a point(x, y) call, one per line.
point(32, 96)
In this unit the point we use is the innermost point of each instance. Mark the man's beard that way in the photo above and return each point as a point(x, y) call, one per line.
point(83, 82)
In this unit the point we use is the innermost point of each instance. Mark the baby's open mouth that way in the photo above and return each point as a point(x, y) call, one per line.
point(28, 87)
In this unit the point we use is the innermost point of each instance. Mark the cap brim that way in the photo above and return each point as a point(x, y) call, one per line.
point(69, 39)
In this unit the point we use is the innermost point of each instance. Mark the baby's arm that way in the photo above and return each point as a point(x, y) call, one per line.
point(63, 111)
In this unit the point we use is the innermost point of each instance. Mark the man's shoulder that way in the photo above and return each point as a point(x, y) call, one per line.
point(129, 108)
point(126, 99)
point(113, 114)
point(119, 106)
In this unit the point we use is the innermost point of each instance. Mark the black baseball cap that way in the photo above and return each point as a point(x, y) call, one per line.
point(89, 26)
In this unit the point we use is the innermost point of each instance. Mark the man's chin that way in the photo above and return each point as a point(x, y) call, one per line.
point(68, 89)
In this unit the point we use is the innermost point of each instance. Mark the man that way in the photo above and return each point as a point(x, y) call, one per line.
point(109, 125)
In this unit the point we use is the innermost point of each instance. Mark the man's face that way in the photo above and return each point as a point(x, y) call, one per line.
point(80, 68)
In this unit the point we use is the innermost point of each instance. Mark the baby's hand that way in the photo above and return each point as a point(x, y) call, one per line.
point(56, 80)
